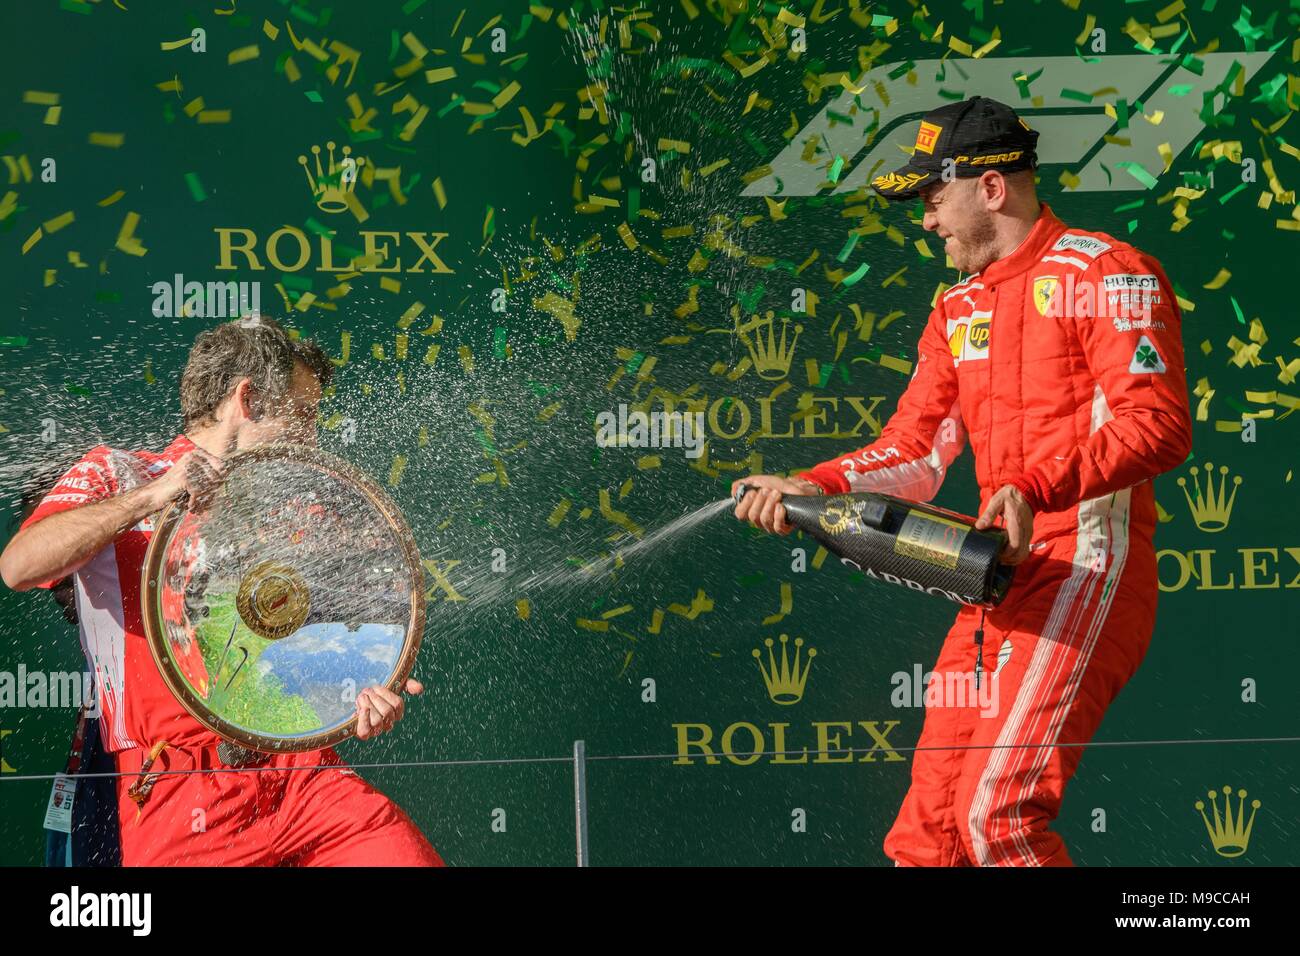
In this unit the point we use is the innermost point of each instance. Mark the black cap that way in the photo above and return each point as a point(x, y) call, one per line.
point(976, 134)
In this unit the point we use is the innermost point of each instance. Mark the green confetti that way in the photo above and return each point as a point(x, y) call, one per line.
point(1137, 172)
point(313, 96)
point(13, 341)
point(196, 187)
point(1236, 308)
point(455, 102)
point(848, 248)
point(499, 342)
point(749, 300)
point(76, 389)
point(74, 6)
point(857, 275)
point(1230, 193)
point(1076, 95)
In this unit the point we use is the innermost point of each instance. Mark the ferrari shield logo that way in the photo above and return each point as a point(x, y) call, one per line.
point(1044, 289)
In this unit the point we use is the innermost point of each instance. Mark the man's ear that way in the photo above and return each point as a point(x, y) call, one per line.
point(246, 400)
point(993, 186)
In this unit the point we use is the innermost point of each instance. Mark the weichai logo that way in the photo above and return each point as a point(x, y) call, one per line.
point(1072, 134)
point(785, 675)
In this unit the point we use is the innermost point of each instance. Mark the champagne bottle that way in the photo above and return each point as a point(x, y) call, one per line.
point(906, 543)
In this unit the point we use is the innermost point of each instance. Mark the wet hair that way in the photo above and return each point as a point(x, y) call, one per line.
point(257, 349)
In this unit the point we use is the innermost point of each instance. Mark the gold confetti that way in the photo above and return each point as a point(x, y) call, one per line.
point(1219, 280)
point(395, 475)
point(126, 240)
point(111, 140)
point(787, 604)
point(58, 222)
point(558, 512)
point(243, 54)
point(618, 518)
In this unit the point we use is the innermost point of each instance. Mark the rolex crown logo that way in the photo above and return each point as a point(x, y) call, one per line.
point(1209, 510)
point(771, 357)
point(1230, 835)
point(332, 186)
point(785, 682)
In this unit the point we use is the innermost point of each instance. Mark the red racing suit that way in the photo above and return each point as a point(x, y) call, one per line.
point(1062, 363)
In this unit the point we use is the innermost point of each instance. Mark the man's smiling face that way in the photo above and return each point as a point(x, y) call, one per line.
point(956, 212)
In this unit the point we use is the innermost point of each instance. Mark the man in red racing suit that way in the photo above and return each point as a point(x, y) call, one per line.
point(1061, 361)
point(246, 384)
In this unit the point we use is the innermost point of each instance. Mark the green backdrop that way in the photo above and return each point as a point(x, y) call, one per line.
point(576, 285)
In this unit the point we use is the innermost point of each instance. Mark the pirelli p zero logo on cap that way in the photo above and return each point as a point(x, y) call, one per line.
point(926, 137)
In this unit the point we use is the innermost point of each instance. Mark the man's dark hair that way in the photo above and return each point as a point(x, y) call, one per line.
point(258, 349)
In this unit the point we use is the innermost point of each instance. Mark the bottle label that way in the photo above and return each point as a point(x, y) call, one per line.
point(931, 539)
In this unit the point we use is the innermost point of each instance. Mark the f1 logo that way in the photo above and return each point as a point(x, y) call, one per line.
point(1069, 130)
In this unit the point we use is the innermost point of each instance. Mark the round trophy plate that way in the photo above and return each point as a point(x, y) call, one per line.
point(295, 587)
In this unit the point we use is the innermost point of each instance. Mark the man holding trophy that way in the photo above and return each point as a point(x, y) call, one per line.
point(247, 385)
